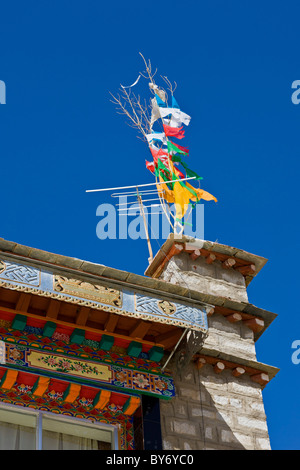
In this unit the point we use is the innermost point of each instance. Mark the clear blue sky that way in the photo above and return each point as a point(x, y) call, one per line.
point(234, 63)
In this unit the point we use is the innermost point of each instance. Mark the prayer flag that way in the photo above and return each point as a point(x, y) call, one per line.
point(174, 103)
point(174, 131)
point(177, 116)
point(172, 147)
point(160, 102)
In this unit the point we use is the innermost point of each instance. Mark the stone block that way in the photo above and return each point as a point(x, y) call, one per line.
point(171, 443)
point(181, 427)
point(198, 412)
point(245, 389)
point(180, 408)
point(252, 423)
point(188, 444)
point(262, 443)
point(245, 440)
point(235, 402)
point(189, 393)
point(221, 400)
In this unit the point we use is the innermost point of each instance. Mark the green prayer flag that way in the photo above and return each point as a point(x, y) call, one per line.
point(174, 148)
point(189, 173)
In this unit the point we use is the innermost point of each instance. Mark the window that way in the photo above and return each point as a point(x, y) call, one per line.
point(24, 429)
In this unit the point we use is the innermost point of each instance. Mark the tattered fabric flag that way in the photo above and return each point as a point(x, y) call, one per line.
point(174, 103)
point(189, 173)
point(160, 102)
point(150, 166)
point(157, 136)
point(156, 152)
point(159, 154)
point(164, 190)
point(181, 199)
point(177, 116)
point(177, 148)
point(183, 192)
point(178, 173)
point(158, 91)
point(174, 131)
point(155, 114)
point(130, 86)
point(201, 194)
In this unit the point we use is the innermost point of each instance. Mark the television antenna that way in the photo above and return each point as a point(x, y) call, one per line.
point(139, 194)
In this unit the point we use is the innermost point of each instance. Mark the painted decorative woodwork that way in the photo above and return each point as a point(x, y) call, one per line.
point(50, 284)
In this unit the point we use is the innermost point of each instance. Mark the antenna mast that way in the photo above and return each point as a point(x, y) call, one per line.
point(145, 225)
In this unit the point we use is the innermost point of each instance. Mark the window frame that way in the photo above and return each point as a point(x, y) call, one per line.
point(80, 421)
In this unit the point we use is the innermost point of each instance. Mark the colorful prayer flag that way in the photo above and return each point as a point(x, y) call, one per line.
point(174, 131)
point(174, 103)
point(160, 102)
point(172, 147)
point(177, 116)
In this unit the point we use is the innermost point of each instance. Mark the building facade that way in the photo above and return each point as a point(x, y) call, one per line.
point(97, 358)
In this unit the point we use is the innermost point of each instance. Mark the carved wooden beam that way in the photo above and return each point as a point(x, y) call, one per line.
point(200, 362)
point(53, 308)
point(23, 302)
point(228, 263)
point(234, 317)
point(131, 405)
point(40, 386)
point(210, 311)
point(249, 269)
point(261, 378)
point(210, 258)
point(238, 371)
point(255, 324)
point(219, 367)
point(82, 316)
point(195, 255)
point(71, 393)
point(111, 323)
point(140, 329)
point(101, 399)
point(9, 378)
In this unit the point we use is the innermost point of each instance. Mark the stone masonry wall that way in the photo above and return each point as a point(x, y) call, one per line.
point(209, 279)
point(217, 411)
point(210, 410)
point(214, 411)
point(235, 339)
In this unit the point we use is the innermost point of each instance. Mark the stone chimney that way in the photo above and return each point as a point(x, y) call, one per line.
point(219, 394)
point(206, 267)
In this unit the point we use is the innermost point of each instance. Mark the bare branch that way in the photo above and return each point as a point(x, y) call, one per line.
point(171, 88)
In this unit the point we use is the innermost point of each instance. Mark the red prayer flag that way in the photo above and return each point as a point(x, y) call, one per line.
point(150, 166)
point(157, 152)
point(174, 131)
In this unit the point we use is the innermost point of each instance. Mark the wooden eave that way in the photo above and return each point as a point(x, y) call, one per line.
point(167, 334)
point(259, 372)
point(248, 264)
point(123, 329)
